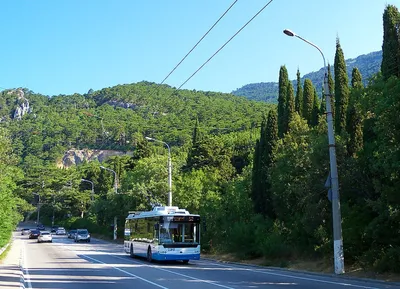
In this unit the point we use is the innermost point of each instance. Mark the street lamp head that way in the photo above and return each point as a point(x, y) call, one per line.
point(102, 167)
point(289, 32)
point(148, 138)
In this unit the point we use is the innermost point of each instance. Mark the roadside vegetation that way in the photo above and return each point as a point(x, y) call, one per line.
point(255, 172)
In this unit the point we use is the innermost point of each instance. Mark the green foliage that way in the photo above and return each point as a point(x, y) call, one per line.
point(282, 100)
point(290, 107)
point(341, 89)
point(298, 103)
point(308, 99)
point(391, 43)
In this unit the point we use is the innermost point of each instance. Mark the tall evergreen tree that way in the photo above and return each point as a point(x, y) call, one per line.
point(264, 157)
point(283, 83)
point(354, 124)
point(356, 78)
point(194, 153)
point(298, 103)
point(391, 44)
point(308, 99)
point(315, 110)
point(341, 89)
point(331, 85)
point(290, 107)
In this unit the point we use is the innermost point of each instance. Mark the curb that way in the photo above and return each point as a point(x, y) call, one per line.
point(4, 248)
point(331, 275)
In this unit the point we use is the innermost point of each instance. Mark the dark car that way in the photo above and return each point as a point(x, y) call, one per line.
point(40, 227)
point(71, 234)
point(34, 234)
point(54, 229)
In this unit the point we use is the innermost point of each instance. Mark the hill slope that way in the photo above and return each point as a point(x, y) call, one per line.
point(368, 64)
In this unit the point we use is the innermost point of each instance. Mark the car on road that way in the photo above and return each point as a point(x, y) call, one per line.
point(45, 236)
point(54, 229)
point(82, 235)
point(34, 234)
point(61, 231)
point(71, 234)
point(40, 227)
point(25, 231)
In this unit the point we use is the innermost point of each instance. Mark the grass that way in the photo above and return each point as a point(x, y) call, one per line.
point(322, 266)
point(4, 255)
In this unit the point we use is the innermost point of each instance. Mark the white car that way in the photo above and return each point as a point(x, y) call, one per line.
point(45, 236)
point(61, 231)
point(82, 235)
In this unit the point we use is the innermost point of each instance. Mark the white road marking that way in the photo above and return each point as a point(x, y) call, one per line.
point(294, 277)
point(183, 275)
point(126, 272)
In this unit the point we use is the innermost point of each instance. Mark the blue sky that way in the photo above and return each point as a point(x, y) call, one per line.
point(63, 47)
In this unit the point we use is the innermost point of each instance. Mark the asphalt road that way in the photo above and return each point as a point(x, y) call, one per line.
point(102, 265)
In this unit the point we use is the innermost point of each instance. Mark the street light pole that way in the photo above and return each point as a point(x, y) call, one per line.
point(336, 215)
point(169, 169)
point(115, 178)
point(38, 209)
point(92, 194)
point(116, 191)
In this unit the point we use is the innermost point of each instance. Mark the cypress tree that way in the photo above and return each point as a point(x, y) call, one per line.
point(341, 89)
point(354, 117)
point(193, 157)
point(264, 157)
point(356, 79)
point(283, 83)
point(298, 103)
point(290, 107)
point(315, 110)
point(391, 46)
point(331, 85)
point(308, 98)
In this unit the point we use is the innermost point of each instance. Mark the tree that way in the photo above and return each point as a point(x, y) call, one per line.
point(354, 124)
point(290, 107)
point(315, 109)
point(282, 98)
point(308, 98)
point(264, 158)
point(341, 89)
point(298, 103)
point(356, 79)
point(391, 44)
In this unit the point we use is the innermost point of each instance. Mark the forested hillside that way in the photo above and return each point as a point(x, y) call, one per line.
point(255, 172)
point(368, 64)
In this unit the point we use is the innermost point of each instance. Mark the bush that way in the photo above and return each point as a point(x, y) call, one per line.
point(87, 223)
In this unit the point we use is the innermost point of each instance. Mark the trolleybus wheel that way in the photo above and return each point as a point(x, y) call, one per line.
point(149, 255)
point(185, 261)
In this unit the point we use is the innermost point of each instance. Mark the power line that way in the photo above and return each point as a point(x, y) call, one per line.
point(265, 6)
point(190, 51)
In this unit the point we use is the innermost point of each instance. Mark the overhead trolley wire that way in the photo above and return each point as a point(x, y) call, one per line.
point(265, 6)
point(190, 51)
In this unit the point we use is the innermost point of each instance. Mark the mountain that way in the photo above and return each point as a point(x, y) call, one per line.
point(368, 64)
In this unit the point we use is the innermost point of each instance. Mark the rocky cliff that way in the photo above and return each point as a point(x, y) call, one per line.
point(74, 157)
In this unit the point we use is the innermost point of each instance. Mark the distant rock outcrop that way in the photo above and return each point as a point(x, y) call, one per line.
point(75, 157)
point(23, 104)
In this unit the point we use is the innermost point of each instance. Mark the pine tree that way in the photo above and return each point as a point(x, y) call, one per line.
point(341, 89)
point(308, 98)
point(315, 110)
point(391, 45)
point(283, 83)
point(290, 109)
point(194, 153)
point(298, 103)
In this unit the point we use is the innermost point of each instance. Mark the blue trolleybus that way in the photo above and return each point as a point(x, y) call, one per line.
point(165, 233)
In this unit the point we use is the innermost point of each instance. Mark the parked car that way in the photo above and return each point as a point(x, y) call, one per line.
point(61, 231)
point(25, 231)
point(82, 235)
point(71, 234)
point(34, 234)
point(45, 236)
